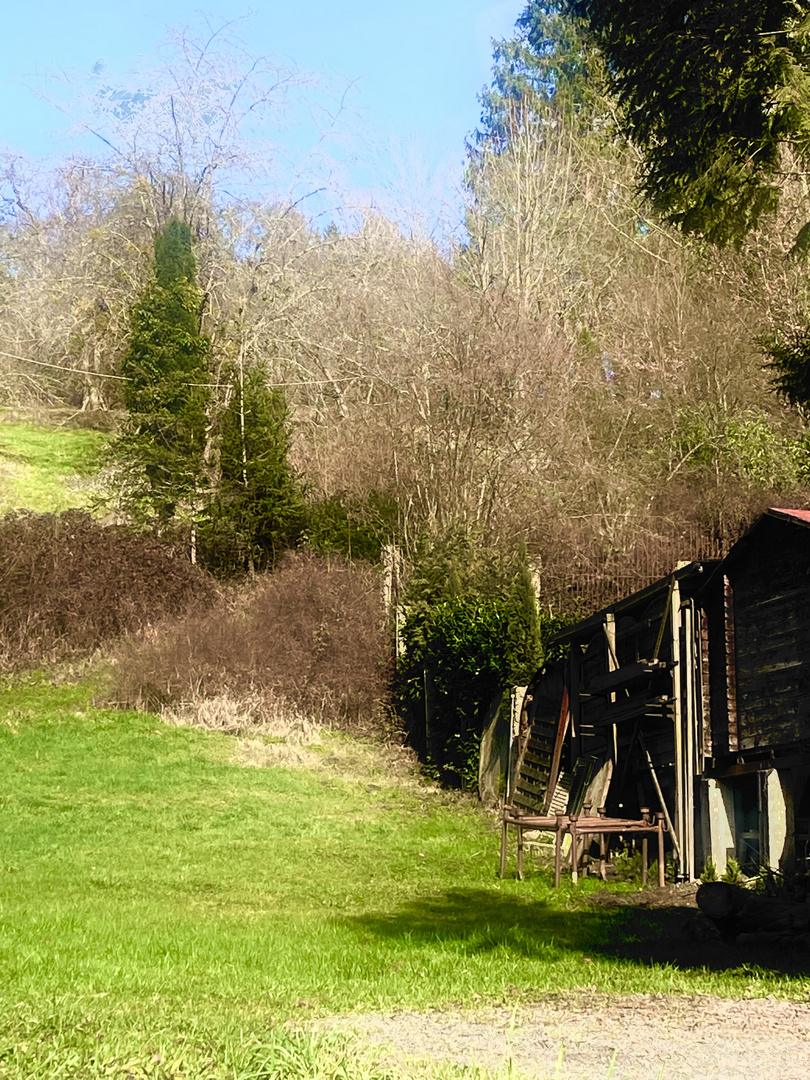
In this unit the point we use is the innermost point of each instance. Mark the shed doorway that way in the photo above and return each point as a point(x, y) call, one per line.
point(745, 798)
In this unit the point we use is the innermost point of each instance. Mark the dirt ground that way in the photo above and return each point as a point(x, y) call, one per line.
point(637, 1037)
point(641, 1037)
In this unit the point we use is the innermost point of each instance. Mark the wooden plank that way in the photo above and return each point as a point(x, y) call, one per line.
point(541, 742)
point(523, 802)
point(541, 775)
point(541, 738)
point(705, 686)
point(562, 727)
point(777, 596)
point(527, 786)
point(634, 708)
point(538, 761)
point(539, 751)
point(731, 665)
point(625, 676)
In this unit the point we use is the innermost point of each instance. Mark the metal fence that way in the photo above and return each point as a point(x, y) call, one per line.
point(594, 576)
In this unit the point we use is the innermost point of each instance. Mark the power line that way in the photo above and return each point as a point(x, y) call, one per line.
point(211, 386)
point(59, 367)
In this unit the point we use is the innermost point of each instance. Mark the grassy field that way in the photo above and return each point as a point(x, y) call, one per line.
point(46, 468)
point(165, 908)
point(178, 904)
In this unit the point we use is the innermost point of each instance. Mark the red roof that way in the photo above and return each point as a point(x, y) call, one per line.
point(800, 515)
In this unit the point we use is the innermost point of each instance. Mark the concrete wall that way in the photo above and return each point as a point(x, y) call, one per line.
point(718, 824)
point(718, 827)
point(777, 820)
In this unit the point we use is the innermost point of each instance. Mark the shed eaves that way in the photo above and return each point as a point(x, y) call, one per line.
point(799, 515)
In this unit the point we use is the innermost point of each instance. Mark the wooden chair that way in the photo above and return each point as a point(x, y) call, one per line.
point(565, 801)
point(539, 790)
point(580, 826)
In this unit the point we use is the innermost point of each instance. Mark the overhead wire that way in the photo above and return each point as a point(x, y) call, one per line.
point(211, 386)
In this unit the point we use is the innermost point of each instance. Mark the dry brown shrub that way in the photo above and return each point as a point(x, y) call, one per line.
point(248, 714)
point(312, 636)
point(69, 585)
point(271, 731)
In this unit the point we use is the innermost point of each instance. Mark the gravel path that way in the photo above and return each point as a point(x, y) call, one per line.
point(653, 1037)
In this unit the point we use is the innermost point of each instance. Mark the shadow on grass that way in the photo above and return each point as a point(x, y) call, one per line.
point(480, 921)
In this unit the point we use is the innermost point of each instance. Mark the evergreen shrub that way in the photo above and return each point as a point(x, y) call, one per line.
point(358, 527)
point(472, 629)
point(257, 510)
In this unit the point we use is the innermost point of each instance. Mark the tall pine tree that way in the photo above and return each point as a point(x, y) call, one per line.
point(258, 508)
point(161, 449)
point(715, 95)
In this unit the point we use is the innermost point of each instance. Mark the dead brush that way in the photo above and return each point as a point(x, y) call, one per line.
point(311, 636)
point(70, 585)
point(246, 715)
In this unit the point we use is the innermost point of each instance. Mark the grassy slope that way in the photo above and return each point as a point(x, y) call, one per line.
point(155, 894)
point(46, 469)
point(163, 909)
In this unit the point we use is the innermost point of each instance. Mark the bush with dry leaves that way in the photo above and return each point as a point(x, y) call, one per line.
point(313, 634)
point(70, 585)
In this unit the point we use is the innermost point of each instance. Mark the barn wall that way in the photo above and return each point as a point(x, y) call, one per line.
point(770, 577)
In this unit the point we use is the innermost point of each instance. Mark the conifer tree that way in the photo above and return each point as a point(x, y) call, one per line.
point(715, 96)
point(258, 508)
point(161, 449)
point(524, 641)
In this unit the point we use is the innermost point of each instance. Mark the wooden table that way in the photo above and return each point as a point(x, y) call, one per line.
point(579, 826)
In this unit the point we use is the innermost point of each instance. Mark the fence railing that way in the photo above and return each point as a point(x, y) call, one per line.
point(595, 576)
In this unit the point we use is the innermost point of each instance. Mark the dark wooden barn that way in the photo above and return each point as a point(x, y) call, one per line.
point(690, 697)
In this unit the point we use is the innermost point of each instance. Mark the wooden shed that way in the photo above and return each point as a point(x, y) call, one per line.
point(692, 697)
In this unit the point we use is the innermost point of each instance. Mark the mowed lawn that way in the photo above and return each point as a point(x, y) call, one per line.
point(47, 469)
point(156, 894)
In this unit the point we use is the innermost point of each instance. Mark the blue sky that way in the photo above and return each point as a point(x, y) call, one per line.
point(415, 69)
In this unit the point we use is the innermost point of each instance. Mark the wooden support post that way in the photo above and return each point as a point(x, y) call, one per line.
point(554, 772)
point(574, 849)
point(520, 852)
point(660, 794)
point(612, 665)
point(659, 818)
point(604, 844)
point(690, 716)
point(677, 691)
point(575, 740)
point(558, 850)
point(643, 861)
point(645, 816)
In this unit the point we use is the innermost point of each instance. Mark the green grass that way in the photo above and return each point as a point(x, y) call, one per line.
point(163, 909)
point(46, 469)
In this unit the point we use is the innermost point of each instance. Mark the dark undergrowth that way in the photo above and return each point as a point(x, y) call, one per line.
point(70, 585)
